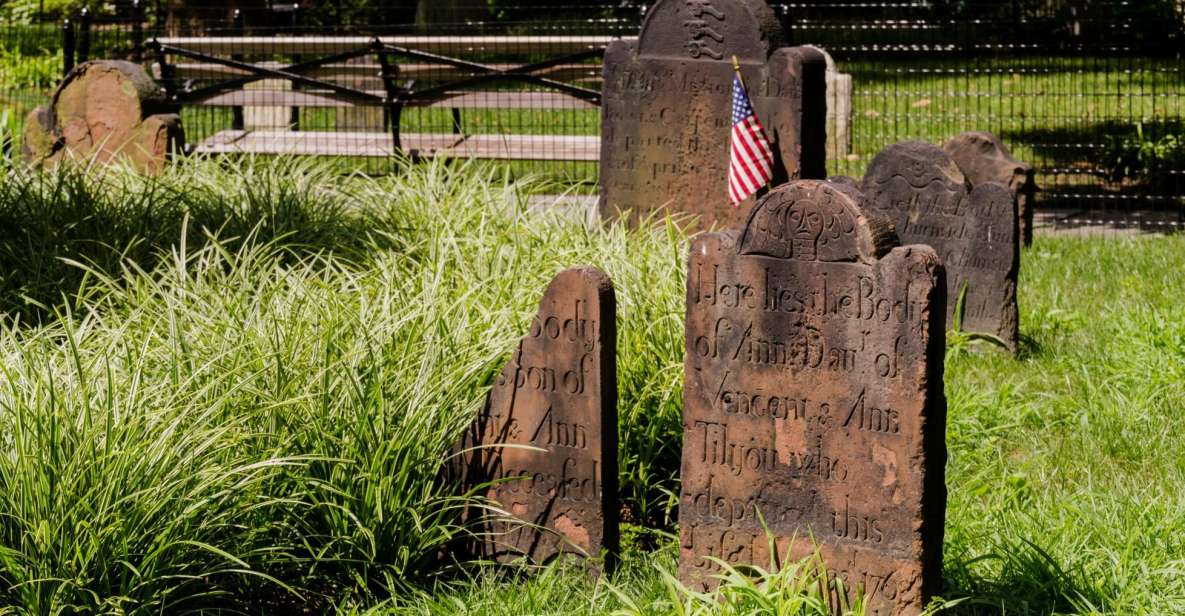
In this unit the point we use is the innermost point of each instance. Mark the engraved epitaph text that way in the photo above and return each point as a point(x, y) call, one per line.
point(667, 108)
point(554, 403)
point(813, 398)
point(984, 158)
point(926, 195)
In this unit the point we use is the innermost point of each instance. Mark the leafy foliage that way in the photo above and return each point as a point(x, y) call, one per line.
point(1155, 158)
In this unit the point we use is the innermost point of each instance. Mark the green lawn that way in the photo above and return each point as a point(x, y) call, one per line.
point(255, 422)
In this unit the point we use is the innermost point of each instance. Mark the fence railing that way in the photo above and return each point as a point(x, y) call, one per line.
point(1093, 101)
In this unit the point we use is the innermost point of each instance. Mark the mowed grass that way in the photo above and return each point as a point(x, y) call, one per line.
point(242, 402)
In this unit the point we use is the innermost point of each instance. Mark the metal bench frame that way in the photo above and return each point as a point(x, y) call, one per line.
point(397, 96)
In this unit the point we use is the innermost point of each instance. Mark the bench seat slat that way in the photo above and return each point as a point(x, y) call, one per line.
point(310, 143)
point(447, 45)
point(458, 100)
point(369, 74)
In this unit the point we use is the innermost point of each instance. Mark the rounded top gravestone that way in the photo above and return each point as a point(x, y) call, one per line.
point(667, 109)
point(816, 221)
point(710, 30)
point(984, 158)
point(813, 406)
point(974, 230)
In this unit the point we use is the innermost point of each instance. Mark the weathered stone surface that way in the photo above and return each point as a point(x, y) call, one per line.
point(974, 230)
point(984, 158)
point(37, 140)
point(557, 394)
point(666, 112)
point(813, 394)
point(848, 181)
point(106, 111)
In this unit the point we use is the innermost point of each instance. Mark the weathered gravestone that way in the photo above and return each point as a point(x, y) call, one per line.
point(104, 111)
point(555, 404)
point(917, 186)
point(984, 158)
point(666, 112)
point(813, 397)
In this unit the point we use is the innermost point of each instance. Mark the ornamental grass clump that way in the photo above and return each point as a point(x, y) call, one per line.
point(228, 387)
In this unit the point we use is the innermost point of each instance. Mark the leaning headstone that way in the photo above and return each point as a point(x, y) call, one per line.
point(105, 111)
point(918, 187)
point(813, 399)
point(667, 107)
point(984, 158)
point(548, 434)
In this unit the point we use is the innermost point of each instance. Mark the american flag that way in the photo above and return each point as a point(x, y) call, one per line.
point(751, 159)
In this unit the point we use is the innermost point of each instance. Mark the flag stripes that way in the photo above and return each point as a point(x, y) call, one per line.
point(750, 156)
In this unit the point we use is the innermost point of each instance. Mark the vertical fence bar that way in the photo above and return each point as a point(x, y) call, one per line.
point(137, 31)
point(238, 26)
point(68, 46)
point(294, 112)
point(84, 36)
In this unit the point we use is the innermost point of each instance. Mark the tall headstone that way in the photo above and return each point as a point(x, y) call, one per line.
point(554, 407)
point(813, 398)
point(984, 158)
point(928, 198)
point(666, 111)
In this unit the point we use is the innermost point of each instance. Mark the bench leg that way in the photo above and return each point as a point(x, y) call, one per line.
point(457, 128)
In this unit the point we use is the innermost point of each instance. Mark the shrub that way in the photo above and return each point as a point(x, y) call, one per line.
point(1154, 159)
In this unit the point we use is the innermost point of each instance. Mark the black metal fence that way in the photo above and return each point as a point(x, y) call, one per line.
point(1090, 93)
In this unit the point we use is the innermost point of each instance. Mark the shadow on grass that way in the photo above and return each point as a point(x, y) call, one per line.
point(1021, 578)
point(1029, 347)
point(50, 222)
point(1109, 157)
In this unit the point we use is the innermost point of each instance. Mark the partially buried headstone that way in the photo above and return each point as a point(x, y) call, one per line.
point(104, 111)
point(666, 113)
point(984, 158)
point(554, 407)
point(917, 186)
point(813, 398)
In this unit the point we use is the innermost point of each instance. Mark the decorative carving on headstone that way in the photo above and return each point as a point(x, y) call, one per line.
point(974, 230)
point(105, 111)
point(984, 158)
point(666, 112)
point(813, 398)
point(554, 407)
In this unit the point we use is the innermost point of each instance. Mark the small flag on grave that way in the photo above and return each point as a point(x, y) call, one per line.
point(751, 159)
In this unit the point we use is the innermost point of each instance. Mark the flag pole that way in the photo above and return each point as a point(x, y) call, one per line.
point(736, 66)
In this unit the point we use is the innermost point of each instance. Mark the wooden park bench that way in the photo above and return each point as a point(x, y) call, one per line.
point(369, 81)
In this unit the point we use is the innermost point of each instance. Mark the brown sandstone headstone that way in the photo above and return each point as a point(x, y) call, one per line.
point(666, 112)
point(106, 111)
point(813, 395)
point(984, 158)
point(917, 186)
point(557, 394)
point(37, 140)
